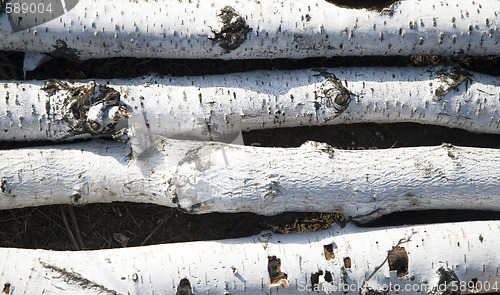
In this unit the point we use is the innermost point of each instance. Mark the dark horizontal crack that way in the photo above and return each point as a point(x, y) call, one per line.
point(143, 224)
point(61, 68)
point(42, 227)
point(365, 136)
point(363, 4)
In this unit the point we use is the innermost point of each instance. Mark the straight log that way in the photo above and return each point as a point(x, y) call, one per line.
point(251, 29)
point(211, 107)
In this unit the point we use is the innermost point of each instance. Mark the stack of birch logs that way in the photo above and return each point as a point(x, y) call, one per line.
point(168, 146)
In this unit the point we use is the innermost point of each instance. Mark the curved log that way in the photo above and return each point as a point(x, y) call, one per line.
point(427, 259)
point(201, 177)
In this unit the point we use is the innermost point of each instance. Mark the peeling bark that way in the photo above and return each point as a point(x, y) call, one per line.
point(59, 110)
point(260, 29)
point(213, 107)
point(233, 32)
point(201, 177)
point(441, 259)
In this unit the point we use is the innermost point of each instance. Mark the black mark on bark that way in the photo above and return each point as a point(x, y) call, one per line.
point(329, 251)
point(447, 280)
point(3, 185)
point(347, 262)
point(72, 277)
point(328, 277)
point(315, 279)
point(275, 274)
point(273, 190)
point(332, 94)
point(474, 286)
point(233, 32)
point(175, 200)
point(80, 100)
point(450, 148)
point(75, 199)
point(453, 80)
point(61, 50)
point(6, 288)
point(398, 261)
point(184, 287)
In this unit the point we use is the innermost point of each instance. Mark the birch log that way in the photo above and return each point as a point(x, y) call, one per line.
point(254, 29)
point(214, 106)
point(427, 259)
point(201, 177)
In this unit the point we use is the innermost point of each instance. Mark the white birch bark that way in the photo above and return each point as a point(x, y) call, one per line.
point(30, 111)
point(427, 259)
point(201, 177)
point(212, 107)
point(259, 29)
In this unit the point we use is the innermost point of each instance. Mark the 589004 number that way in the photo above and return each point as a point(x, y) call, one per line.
point(28, 7)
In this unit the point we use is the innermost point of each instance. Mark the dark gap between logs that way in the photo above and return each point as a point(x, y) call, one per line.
point(377, 5)
point(104, 226)
point(364, 136)
point(11, 64)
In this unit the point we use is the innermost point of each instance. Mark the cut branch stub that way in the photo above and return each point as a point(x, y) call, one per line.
point(331, 94)
point(398, 261)
point(276, 276)
point(450, 80)
point(92, 108)
point(233, 32)
point(184, 287)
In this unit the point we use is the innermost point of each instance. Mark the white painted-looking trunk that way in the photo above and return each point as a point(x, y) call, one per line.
point(202, 177)
point(427, 259)
point(260, 29)
point(210, 107)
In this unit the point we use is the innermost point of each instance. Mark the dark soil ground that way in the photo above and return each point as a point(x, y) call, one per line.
point(100, 226)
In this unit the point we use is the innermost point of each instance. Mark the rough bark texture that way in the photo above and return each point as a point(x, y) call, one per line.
point(201, 177)
point(258, 29)
point(432, 259)
point(214, 106)
point(59, 110)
